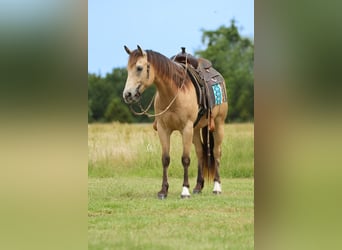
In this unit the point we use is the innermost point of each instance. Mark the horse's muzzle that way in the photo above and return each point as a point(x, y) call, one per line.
point(132, 96)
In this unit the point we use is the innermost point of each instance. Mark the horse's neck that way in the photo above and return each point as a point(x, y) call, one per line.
point(166, 88)
point(164, 73)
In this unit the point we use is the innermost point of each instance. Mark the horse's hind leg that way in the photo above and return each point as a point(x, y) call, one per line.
point(218, 138)
point(164, 137)
point(199, 152)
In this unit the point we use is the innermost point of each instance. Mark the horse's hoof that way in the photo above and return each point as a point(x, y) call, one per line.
point(185, 193)
point(185, 196)
point(162, 196)
point(217, 188)
point(196, 191)
point(216, 192)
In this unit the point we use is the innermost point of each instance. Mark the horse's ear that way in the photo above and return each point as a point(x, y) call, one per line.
point(142, 52)
point(127, 50)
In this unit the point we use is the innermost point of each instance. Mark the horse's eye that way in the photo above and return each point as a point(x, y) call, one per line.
point(139, 68)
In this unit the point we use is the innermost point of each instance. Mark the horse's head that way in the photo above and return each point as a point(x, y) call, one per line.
point(140, 76)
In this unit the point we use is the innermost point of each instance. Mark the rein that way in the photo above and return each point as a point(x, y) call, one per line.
point(145, 111)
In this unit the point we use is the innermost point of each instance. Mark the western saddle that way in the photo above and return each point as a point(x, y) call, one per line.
point(209, 84)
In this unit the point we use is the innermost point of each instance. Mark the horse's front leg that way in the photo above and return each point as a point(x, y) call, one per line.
point(164, 137)
point(187, 135)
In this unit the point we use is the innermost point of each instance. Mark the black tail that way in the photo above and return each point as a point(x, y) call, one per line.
point(208, 160)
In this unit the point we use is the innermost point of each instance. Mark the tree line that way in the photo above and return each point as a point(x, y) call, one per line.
point(230, 53)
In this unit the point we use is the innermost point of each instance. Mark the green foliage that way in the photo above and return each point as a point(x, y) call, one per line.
point(99, 96)
point(104, 97)
point(105, 103)
point(233, 56)
point(117, 112)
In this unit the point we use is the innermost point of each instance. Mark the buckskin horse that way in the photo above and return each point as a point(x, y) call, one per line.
point(180, 104)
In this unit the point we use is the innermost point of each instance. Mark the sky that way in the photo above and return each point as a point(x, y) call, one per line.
point(162, 26)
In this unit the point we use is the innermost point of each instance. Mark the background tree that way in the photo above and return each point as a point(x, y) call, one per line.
point(99, 95)
point(233, 56)
point(105, 102)
point(117, 112)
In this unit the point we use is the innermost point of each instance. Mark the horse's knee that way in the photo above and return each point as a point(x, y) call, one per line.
point(185, 161)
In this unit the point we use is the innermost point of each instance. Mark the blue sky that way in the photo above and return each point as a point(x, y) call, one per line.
point(163, 26)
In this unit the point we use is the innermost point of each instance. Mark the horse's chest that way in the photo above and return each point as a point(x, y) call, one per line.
point(173, 121)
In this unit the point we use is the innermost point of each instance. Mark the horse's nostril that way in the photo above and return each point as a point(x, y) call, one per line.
point(127, 94)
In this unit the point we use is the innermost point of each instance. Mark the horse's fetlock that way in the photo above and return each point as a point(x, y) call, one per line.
point(166, 186)
point(166, 160)
point(186, 160)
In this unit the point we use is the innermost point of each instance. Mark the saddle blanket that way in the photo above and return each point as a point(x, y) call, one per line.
point(217, 92)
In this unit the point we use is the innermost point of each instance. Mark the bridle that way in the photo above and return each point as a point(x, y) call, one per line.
point(145, 111)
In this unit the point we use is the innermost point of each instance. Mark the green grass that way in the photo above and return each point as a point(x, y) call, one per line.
point(124, 213)
point(125, 175)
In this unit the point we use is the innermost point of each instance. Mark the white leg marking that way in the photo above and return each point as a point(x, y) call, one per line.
point(185, 193)
point(217, 188)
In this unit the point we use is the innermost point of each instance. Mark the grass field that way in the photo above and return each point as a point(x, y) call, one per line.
point(125, 175)
point(125, 150)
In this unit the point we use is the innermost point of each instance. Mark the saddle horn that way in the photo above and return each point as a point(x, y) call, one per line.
point(127, 50)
